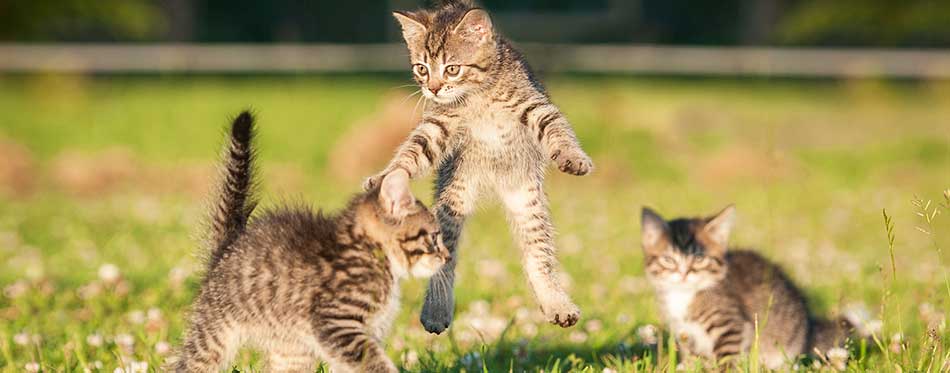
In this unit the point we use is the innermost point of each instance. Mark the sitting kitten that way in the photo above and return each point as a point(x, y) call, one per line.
point(303, 285)
point(488, 128)
point(711, 297)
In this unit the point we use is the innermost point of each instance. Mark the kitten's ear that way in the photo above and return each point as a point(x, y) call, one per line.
point(652, 228)
point(394, 194)
point(475, 26)
point(412, 29)
point(720, 226)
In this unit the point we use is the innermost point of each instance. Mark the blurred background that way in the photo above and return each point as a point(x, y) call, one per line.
point(817, 118)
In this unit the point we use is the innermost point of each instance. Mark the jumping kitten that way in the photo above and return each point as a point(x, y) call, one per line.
point(301, 285)
point(710, 297)
point(489, 128)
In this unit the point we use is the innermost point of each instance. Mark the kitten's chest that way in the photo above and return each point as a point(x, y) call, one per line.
point(690, 334)
point(383, 319)
point(492, 127)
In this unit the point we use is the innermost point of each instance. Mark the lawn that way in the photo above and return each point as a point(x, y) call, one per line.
point(103, 182)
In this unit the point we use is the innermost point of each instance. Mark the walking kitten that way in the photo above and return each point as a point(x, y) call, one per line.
point(489, 128)
point(711, 297)
point(301, 285)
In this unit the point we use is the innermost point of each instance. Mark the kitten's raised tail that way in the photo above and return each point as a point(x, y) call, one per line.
point(235, 200)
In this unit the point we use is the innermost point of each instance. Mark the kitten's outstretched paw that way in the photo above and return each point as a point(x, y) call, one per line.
point(372, 182)
point(436, 318)
point(564, 315)
point(573, 161)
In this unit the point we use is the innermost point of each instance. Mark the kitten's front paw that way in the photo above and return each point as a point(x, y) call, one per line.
point(372, 182)
point(436, 318)
point(564, 315)
point(573, 162)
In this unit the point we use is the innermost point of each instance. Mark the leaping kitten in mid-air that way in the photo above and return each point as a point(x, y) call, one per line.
point(711, 297)
point(301, 285)
point(489, 128)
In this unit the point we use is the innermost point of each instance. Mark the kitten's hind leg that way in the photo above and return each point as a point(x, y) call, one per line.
point(290, 358)
point(531, 223)
point(351, 349)
point(454, 202)
point(210, 343)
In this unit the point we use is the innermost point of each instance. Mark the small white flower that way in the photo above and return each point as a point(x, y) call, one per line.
point(593, 326)
point(154, 314)
point(32, 367)
point(578, 336)
point(124, 340)
point(21, 339)
point(838, 357)
point(647, 334)
point(109, 273)
point(137, 317)
point(162, 348)
point(608, 370)
point(94, 340)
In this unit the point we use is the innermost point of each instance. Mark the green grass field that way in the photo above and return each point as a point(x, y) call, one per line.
point(103, 181)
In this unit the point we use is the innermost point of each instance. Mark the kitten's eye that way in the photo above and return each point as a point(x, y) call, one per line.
point(417, 252)
point(701, 263)
point(420, 69)
point(452, 70)
point(667, 262)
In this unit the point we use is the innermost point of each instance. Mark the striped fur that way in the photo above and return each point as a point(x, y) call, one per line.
point(303, 286)
point(234, 200)
point(712, 297)
point(488, 127)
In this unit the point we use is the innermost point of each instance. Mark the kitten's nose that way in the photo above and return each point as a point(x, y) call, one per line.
point(435, 87)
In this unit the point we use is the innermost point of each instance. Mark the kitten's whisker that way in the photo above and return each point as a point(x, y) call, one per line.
point(409, 96)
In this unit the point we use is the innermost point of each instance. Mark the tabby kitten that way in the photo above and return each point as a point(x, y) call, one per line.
point(711, 297)
point(302, 285)
point(488, 127)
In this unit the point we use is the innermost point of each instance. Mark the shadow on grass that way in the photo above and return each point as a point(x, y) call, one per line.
point(533, 355)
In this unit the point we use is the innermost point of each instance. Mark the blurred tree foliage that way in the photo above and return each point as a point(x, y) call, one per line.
point(80, 20)
point(867, 22)
point(903, 23)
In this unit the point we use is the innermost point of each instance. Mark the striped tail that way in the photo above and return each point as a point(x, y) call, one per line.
point(235, 201)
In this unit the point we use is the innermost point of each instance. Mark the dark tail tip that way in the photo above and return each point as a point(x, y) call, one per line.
point(242, 129)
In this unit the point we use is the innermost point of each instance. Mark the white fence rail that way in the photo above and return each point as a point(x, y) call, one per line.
point(751, 61)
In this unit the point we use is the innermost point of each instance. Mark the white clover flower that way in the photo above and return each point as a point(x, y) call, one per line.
point(608, 370)
point(577, 336)
point(593, 326)
point(21, 339)
point(136, 317)
point(124, 340)
point(162, 348)
point(154, 314)
point(838, 357)
point(94, 340)
point(109, 273)
point(32, 367)
point(647, 334)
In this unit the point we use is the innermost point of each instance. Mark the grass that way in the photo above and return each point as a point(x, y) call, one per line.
point(102, 183)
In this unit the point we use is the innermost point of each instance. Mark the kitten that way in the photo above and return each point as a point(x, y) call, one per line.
point(711, 297)
point(489, 128)
point(302, 285)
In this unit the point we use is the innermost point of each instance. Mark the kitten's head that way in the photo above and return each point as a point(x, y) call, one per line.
point(686, 253)
point(450, 49)
point(407, 231)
